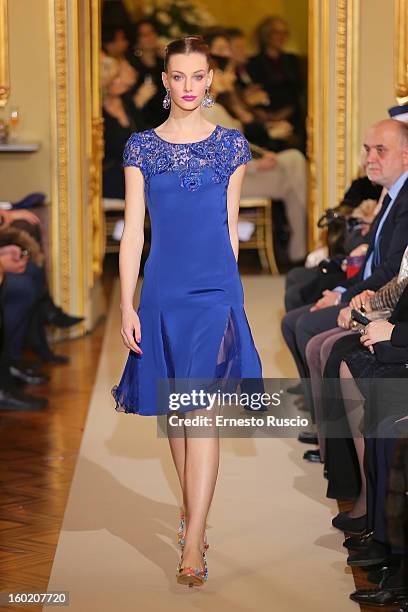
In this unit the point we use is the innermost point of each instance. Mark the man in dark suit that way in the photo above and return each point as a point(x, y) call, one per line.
point(386, 147)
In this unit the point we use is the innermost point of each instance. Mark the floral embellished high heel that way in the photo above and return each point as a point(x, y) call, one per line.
point(180, 530)
point(180, 533)
point(192, 576)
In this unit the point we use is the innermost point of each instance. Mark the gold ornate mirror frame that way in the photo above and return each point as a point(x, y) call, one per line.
point(401, 51)
point(332, 104)
point(77, 151)
point(4, 55)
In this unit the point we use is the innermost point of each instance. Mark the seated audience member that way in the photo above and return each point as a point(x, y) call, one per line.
point(280, 176)
point(267, 134)
point(115, 44)
point(374, 384)
point(304, 285)
point(279, 73)
point(379, 305)
point(27, 304)
point(147, 58)
point(121, 117)
point(396, 512)
point(300, 282)
point(253, 95)
point(386, 148)
point(13, 260)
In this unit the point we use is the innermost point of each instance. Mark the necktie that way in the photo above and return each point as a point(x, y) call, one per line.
point(377, 240)
point(373, 259)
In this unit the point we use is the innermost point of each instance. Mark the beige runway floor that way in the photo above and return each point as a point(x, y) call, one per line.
point(272, 547)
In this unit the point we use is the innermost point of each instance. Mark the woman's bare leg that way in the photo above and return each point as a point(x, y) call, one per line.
point(200, 476)
point(354, 405)
point(177, 443)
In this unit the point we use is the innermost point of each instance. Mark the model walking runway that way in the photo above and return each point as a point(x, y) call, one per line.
point(271, 544)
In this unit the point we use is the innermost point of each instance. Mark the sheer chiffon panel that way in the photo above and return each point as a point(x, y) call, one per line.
point(214, 348)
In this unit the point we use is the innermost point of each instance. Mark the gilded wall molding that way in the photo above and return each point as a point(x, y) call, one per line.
point(4, 55)
point(60, 218)
point(401, 50)
point(332, 83)
point(77, 243)
point(98, 217)
point(347, 17)
point(312, 122)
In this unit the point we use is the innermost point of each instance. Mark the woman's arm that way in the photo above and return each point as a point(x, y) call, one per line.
point(388, 296)
point(233, 200)
point(130, 253)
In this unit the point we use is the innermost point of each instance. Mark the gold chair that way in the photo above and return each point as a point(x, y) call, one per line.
point(259, 212)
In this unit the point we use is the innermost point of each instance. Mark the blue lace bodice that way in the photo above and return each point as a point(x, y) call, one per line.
point(223, 151)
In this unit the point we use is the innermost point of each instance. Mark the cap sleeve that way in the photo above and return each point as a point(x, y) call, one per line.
point(240, 150)
point(132, 154)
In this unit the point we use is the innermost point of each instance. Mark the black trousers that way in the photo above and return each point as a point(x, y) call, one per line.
point(379, 455)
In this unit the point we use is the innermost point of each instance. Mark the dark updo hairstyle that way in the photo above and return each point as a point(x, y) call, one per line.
point(189, 44)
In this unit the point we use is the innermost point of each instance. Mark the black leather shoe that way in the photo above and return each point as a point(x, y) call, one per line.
point(358, 542)
point(312, 455)
point(16, 400)
point(373, 554)
point(380, 597)
point(296, 389)
point(308, 437)
point(381, 573)
point(56, 316)
point(28, 374)
point(355, 526)
point(51, 357)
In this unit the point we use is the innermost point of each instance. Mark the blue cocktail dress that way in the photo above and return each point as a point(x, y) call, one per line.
point(191, 309)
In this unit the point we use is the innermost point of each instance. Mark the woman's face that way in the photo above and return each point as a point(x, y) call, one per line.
point(220, 46)
point(147, 37)
point(187, 77)
point(278, 34)
point(239, 50)
point(118, 46)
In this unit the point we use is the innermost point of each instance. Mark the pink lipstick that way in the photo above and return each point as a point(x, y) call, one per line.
point(189, 98)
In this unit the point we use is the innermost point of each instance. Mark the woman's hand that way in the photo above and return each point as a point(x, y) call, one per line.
point(253, 97)
point(358, 251)
point(281, 130)
point(131, 330)
point(12, 215)
point(268, 161)
point(361, 301)
point(344, 318)
point(329, 298)
point(144, 93)
point(376, 331)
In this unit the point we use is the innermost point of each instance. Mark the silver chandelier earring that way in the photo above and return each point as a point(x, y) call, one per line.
point(207, 100)
point(167, 99)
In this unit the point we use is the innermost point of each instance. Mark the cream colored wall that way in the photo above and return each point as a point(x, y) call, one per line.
point(30, 86)
point(376, 62)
